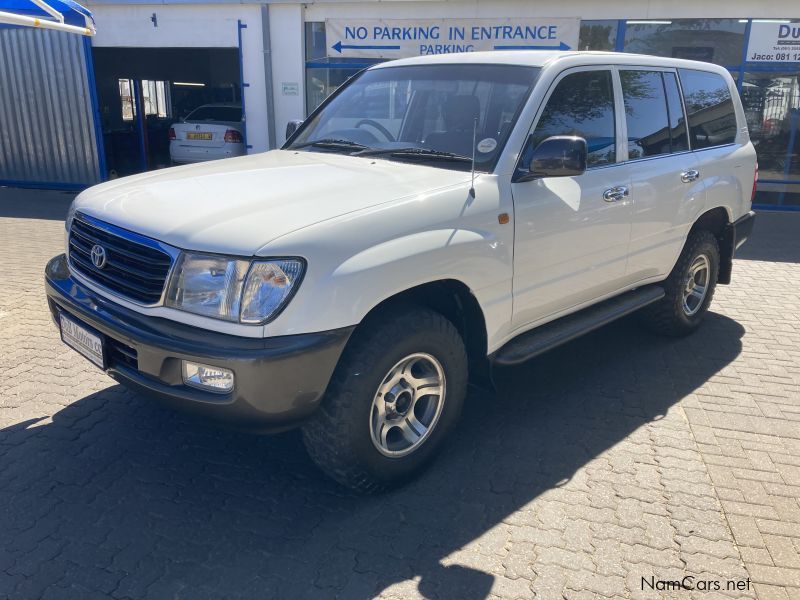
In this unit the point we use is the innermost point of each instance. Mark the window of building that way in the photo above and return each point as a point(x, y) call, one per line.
point(712, 120)
point(155, 97)
point(645, 113)
point(719, 41)
point(126, 99)
point(598, 35)
point(582, 104)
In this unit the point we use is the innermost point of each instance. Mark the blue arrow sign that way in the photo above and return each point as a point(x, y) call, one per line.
point(561, 46)
point(338, 46)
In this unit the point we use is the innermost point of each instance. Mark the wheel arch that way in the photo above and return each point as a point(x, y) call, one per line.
point(718, 221)
point(456, 302)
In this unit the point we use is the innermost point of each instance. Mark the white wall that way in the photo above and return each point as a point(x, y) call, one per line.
point(183, 24)
point(195, 26)
point(288, 64)
point(585, 9)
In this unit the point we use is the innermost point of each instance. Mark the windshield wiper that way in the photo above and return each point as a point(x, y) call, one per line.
point(413, 152)
point(332, 143)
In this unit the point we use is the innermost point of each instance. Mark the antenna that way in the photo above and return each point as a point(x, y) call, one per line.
point(474, 141)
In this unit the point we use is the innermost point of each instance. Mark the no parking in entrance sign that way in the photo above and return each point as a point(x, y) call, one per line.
point(400, 38)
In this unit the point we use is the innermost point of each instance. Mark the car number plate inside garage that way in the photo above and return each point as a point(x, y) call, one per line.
point(81, 339)
point(192, 135)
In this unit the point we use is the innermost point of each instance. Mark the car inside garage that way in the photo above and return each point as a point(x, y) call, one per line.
point(143, 93)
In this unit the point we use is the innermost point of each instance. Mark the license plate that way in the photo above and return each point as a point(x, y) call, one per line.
point(191, 135)
point(83, 340)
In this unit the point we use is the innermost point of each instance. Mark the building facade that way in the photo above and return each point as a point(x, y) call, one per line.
point(79, 111)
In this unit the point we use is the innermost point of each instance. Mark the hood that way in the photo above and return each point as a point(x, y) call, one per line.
point(238, 205)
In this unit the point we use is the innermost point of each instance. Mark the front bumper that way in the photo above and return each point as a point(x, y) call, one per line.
point(277, 381)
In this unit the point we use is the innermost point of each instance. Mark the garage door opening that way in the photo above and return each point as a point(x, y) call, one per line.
point(152, 97)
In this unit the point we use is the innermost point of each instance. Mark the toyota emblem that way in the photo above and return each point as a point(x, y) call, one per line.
point(98, 256)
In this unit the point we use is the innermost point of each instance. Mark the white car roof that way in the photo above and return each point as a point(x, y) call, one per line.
point(541, 58)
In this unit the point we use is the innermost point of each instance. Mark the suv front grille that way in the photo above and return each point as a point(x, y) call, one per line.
point(132, 269)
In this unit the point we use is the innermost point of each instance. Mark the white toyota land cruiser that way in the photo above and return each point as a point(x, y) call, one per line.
point(434, 217)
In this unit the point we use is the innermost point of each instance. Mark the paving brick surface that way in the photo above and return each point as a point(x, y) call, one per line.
point(617, 464)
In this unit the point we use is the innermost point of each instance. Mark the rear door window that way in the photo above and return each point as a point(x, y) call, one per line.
point(712, 119)
point(582, 104)
point(677, 120)
point(645, 113)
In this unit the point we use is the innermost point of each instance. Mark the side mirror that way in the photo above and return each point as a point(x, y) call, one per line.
point(558, 156)
point(293, 126)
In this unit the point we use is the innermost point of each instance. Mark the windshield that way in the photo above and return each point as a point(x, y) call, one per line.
point(423, 113)
point(216, 113)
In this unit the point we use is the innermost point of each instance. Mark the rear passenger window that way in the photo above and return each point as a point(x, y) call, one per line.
point(712, 120)
point(645, 113)
point(582, 104)
point(677, 120)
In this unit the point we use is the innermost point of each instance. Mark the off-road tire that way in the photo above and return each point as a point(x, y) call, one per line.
point(338, 436)
point(667, 316)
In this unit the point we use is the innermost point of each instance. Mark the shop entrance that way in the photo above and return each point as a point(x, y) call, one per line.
point(771, 100)
point(142, 92)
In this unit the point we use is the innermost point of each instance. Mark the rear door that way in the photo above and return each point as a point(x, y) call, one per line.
point(666, 182)
point(571, 234)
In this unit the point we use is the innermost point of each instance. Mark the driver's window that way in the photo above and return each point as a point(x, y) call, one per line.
point(582, 104)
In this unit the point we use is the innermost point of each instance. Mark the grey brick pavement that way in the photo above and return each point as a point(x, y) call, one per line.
point(619, 457)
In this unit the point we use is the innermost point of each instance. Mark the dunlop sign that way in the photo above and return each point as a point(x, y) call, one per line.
point(390, 38)
point(774, 42)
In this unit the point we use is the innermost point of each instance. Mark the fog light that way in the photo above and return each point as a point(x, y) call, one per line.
point(206, 377)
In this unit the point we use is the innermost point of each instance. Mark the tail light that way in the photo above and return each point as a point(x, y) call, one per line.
point(233, 137)
point(172, 135)
point(755, 181)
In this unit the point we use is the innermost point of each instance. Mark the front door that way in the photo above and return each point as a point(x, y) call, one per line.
point(572, 233)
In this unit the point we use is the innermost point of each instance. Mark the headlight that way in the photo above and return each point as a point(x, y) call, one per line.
point(233, 289)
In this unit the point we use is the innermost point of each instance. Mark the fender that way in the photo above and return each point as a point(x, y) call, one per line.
point(360, 260)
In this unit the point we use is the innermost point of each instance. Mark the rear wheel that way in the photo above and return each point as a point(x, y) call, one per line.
point(689, 288)
point(396, 392)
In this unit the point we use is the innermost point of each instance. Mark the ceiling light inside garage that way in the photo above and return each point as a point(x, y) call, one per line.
point(188, 84)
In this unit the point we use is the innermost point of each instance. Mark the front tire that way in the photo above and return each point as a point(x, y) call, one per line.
point(689, 288)
point(397, 391)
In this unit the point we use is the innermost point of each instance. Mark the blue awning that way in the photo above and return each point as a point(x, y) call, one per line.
point(64, 15)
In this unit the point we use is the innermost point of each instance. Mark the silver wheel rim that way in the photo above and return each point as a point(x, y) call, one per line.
point(696, 286)
point(407, 405)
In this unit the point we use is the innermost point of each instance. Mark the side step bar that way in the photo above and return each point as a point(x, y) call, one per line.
point(548, 336)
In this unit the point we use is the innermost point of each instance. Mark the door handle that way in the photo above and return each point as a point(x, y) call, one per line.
point(690, 175)
point(615, 194)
